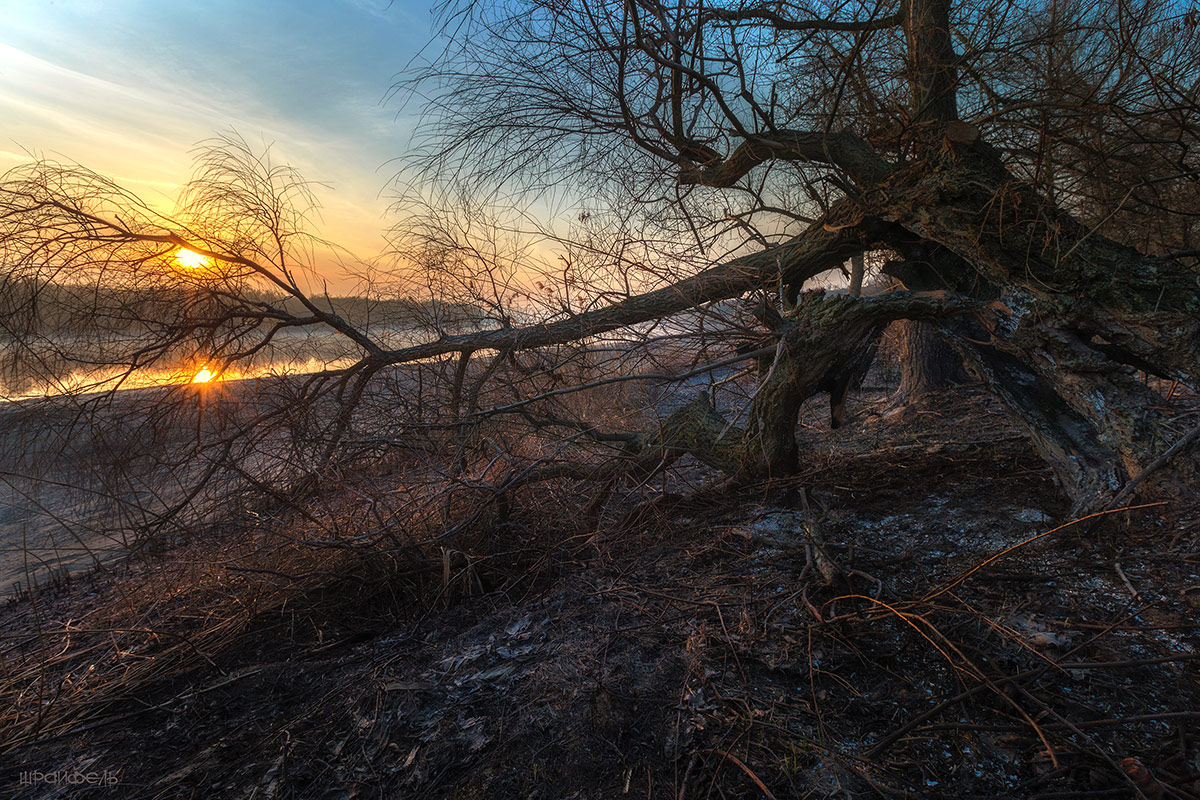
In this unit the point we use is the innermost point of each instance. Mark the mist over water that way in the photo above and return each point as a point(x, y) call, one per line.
point(60, 365)
point(82, 472)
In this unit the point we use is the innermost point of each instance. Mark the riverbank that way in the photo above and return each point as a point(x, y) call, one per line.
point(977, 644)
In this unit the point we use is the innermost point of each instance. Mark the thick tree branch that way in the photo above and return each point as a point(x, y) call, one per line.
point(824, 245)
point(820, 336)
point(931, 60)
point(844, 150)
point(777, 21)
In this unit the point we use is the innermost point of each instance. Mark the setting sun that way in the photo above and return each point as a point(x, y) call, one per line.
point(203, 376)
point(190, 260)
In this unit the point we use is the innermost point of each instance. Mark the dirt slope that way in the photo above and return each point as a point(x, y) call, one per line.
point(688, 650)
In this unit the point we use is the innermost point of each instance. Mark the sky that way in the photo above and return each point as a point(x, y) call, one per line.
point(127, 88)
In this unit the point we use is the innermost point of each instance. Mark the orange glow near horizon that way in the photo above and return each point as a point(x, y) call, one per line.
point(189, 260)
point(203, 376)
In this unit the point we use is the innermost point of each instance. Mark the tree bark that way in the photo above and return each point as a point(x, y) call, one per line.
point(931, 60)
point(857, 268)
point(927, 363)
point(1078, 311)
point(1086, 470)
point(823, 338)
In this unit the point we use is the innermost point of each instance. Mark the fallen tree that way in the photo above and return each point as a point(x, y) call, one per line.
point(1009, 249)
point(1018, 211)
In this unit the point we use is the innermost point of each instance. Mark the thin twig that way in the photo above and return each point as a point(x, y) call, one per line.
point(762, 786)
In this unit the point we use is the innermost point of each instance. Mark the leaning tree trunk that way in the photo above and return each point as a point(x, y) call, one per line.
point(1079, 315)
point(1071, 314)
point(823, 342)
point(927, 363)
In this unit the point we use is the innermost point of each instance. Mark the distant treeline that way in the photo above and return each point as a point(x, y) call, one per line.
point(45, 308)
point(402, 312)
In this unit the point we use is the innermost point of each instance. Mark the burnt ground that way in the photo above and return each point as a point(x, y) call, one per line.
point(683, 648)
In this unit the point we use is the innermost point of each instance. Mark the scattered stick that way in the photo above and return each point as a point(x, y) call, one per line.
point(738, 762)
point(687, 775)
point(1157, 463)
point(813, 529)
point(1125, 580)
point(947, 587)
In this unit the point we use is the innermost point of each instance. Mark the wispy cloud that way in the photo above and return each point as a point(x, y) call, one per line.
point(128, 87)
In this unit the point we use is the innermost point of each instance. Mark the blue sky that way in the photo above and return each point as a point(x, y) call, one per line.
point(127, 87)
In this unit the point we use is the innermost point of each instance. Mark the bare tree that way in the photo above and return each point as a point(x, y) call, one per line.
point(1027, 171)
point(979, 143)
point(712, 154)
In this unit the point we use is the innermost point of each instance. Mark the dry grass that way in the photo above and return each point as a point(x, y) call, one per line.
point(426, 627)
